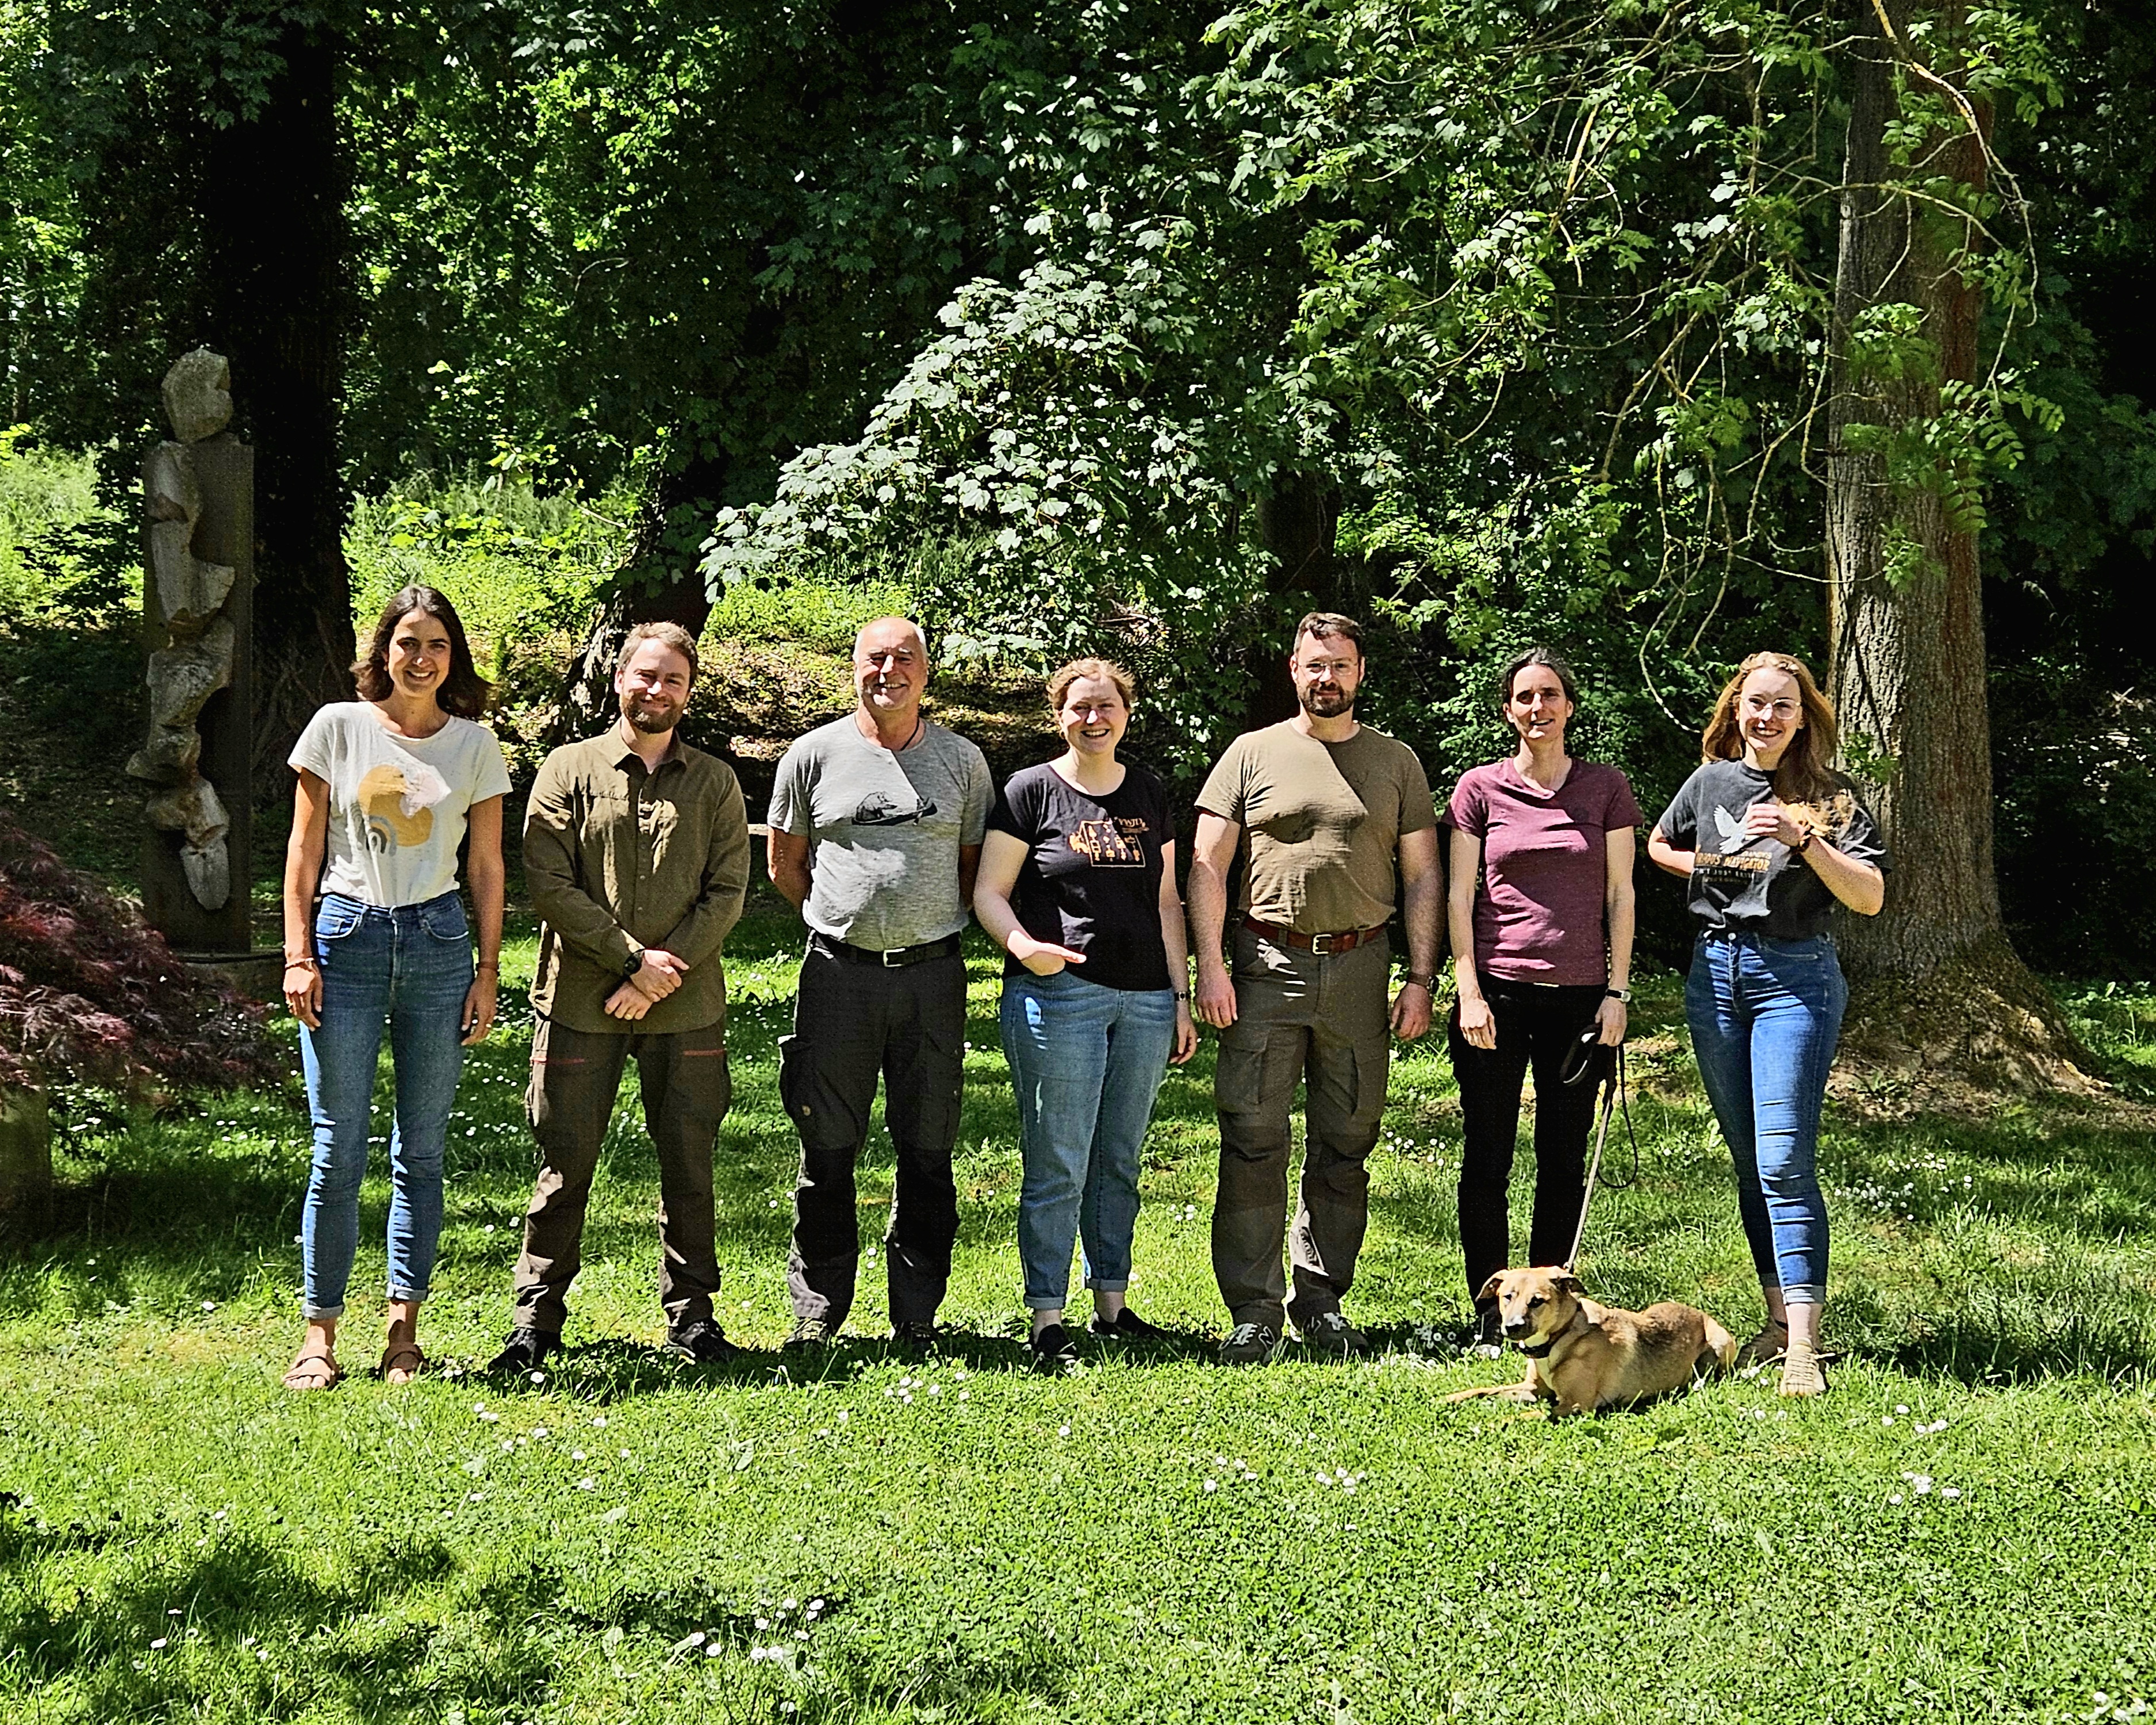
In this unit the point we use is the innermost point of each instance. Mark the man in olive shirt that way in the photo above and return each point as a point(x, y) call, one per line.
point(1323, 806)
point(636, 852)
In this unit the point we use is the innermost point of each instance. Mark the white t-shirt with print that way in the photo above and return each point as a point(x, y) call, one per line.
point(398, 805)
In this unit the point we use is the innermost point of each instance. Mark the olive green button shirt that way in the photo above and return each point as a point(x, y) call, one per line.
point(618, 859)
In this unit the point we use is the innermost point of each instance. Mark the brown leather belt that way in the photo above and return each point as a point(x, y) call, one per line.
point(1321, 944)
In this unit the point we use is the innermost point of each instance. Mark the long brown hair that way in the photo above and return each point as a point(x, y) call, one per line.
point(1816, 796)
point(463, 692)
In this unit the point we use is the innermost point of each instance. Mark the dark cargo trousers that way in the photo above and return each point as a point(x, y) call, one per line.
point(575, 1077)
point(1321, 1020)
point(853, 1021)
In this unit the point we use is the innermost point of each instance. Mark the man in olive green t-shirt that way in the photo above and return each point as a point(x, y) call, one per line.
point(1325, 810)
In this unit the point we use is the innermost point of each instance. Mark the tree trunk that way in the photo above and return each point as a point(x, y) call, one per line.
point(1297, 523)
point(1937, 979)
point(26, 1150)
point(276, 254)
point(659, 583)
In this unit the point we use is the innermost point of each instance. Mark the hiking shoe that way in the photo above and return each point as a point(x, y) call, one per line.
point(1802, 1374)
point(525, 1350)
point(1250, 1345)
point(810, 1332)
point(701, 1341)
point(1126, 1326)
point(1329, 1332)
point(1053, 1350)
point(916, 1336)
point(1764, 1349)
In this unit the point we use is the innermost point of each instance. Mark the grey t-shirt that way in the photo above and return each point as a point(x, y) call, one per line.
point(1759, 884)
point(884, 830)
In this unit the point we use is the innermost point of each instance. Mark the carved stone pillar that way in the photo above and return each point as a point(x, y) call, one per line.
point(198, 550)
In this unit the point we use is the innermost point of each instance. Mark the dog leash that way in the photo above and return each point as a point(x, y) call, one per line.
point(1614, 1095)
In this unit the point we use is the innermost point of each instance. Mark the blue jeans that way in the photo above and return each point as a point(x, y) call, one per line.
point(1086, 1061)
point(413, 966)
point(1765, 1015)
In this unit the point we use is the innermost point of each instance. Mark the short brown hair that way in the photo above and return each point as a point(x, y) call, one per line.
point(1322, 624)
point(1059, 686)
point(667, 635)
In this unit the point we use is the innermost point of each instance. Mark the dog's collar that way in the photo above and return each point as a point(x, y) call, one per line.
point(1540, 1352)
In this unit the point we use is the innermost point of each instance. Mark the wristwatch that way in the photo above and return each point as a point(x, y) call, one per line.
point(1428, 984)
point(1623, 995)
point(632, 964)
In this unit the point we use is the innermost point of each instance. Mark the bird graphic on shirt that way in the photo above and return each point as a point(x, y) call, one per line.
point(1731, 829)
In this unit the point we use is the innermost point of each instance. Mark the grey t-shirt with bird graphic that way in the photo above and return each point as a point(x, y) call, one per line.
point(1759, 884)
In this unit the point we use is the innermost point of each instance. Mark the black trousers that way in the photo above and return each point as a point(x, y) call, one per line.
point(852, 1022)
point(1536, 1026)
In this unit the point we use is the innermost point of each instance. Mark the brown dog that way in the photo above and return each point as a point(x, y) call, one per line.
point(1583, 1358)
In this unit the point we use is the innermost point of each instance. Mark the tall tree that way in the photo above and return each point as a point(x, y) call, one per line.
point(1905, 460)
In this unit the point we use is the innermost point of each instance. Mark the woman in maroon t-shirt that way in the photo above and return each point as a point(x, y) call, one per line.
point(1540, 915)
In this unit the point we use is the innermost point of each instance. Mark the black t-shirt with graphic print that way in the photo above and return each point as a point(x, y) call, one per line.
point(1757, 885)
point(1090, 880)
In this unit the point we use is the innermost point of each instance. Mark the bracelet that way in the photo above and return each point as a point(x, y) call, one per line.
point(492, 964)
point(305, 961)
point(1180, 993)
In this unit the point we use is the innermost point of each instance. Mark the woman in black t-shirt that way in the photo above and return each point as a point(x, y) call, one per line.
point(1077, 886)
point(1769, 841)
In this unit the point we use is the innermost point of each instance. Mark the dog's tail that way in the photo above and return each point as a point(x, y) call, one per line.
point(1720, 1353)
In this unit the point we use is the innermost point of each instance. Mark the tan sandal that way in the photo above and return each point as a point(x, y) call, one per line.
point(313, 1371)
point(401, 1364)
point(1802, 1373)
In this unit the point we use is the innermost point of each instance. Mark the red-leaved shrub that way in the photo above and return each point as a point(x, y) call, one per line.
point(90, 994)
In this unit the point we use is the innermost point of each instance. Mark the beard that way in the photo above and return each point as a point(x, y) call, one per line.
point(1334, 703)
point(652, 717)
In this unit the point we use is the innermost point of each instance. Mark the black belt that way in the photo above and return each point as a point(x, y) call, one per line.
point(1321, 944)
point(890, 959)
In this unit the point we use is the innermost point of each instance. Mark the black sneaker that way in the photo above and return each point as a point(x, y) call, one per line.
point(1250, 1345)
point(1329, 1332)
point(810, 1332)
point(702, 1341)
point(1053, 1350)
point(916, 1336)
point(1126, 1326)
point(526, 1350)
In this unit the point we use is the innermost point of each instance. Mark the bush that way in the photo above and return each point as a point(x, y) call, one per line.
point(89, 994)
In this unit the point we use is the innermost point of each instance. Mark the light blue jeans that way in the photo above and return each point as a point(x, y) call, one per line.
point(412, 966)
point(1765, 1016)
point(1087, 1062)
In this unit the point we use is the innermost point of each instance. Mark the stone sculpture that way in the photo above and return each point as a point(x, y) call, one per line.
point(198, 531)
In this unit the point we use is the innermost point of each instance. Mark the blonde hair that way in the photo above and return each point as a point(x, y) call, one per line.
point(1059, 684)
point(1816, 797)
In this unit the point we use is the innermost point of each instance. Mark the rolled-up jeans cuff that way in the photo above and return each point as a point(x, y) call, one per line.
point(1045, 1302)
point(407, 1295)
point(1107, 1285)
point(320, 1314)
point(1805, 1294)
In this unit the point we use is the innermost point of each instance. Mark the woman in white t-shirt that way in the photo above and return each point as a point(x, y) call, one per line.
point(388, 786)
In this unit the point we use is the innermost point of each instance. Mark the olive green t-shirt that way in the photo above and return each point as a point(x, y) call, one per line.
point(1321, 823)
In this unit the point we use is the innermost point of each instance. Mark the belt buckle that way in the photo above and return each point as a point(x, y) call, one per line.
point(1323, 945)
point(894, 957)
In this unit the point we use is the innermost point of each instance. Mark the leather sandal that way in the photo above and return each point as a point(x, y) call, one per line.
point(313, 1371)
point(405, 1359)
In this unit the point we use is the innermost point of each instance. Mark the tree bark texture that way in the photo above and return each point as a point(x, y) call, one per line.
point(26, 1149)
point(1298, 524)
point(277, 255)
point(1908, 659)
point(1942, 995)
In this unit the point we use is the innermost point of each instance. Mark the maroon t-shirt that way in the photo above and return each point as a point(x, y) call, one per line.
point(1538, 910)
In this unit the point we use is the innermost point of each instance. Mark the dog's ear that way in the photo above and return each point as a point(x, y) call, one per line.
point(1566, 1282)
point(1491, 1288)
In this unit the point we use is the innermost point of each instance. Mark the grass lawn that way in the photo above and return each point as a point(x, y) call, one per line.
point(1965, 1529)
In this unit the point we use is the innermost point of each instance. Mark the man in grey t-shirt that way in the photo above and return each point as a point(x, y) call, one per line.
point(876, 821)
